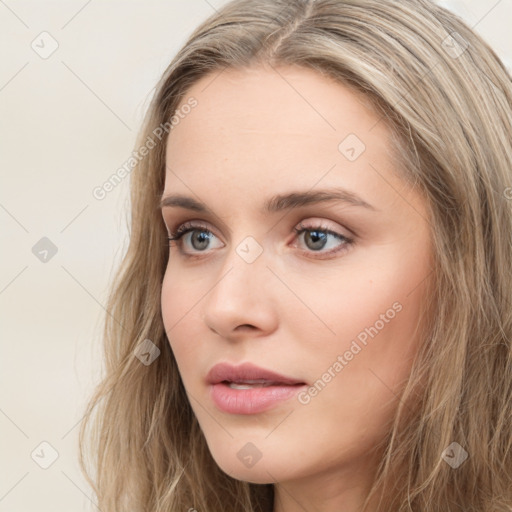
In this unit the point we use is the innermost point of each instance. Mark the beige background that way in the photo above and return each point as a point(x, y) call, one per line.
point(68, 122)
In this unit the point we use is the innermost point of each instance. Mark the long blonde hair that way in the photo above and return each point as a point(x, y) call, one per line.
point(447, 100)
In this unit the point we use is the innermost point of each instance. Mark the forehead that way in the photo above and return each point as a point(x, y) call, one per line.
point(262, 127)
point(287, 100)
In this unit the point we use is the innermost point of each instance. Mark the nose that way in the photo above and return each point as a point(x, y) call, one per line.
point(242, 300)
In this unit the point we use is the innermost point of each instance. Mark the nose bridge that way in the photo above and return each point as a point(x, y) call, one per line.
point(242, 272)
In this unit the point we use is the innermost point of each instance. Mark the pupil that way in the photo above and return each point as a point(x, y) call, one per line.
point(316, 236)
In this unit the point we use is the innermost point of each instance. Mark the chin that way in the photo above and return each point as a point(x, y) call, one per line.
point(266, 470)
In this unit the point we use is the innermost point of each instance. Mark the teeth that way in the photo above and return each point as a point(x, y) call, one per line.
point(232, 385)
point(249, 385)
point(254, 381)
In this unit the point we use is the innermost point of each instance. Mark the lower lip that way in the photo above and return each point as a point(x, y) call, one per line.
point(251, 401)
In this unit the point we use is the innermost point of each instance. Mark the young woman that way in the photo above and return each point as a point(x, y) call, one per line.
point(314, 312)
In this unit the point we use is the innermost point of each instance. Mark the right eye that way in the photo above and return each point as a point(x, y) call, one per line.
point(192, 235)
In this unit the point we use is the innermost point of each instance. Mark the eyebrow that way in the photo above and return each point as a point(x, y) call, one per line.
point(276, 203)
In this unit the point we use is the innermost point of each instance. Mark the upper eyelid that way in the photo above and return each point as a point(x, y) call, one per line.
point(191, 224)
point(318, 209)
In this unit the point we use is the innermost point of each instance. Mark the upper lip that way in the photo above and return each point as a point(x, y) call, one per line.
point(245, 372)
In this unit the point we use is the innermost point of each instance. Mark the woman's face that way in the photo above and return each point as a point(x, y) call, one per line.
point(334, 307)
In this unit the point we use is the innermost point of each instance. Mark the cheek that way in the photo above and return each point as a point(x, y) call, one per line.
point(377, 296)
point(362, 369)
point(179, 300)
point(172, 308)
point(182, 291)
point(366, 328)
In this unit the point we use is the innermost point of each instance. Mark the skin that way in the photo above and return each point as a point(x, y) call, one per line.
point(255, 133)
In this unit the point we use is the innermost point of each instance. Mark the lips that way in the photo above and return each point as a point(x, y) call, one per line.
point(248, 389)
point(248, 374)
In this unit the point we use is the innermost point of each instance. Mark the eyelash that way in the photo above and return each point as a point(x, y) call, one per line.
point(187, 227)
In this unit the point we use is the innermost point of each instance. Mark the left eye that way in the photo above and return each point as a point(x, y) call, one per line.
point(316, 238)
